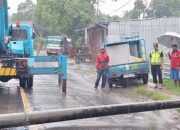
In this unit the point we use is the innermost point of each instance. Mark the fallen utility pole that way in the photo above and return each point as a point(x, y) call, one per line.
point(31, 118)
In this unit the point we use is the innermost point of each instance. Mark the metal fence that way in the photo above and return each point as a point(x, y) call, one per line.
point(148, 29)
point(166, 70)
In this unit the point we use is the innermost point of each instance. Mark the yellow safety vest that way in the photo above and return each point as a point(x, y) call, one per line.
point(156, 58)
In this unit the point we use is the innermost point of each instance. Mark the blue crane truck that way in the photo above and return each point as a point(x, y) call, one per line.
point(16, 54)
point(127, 61)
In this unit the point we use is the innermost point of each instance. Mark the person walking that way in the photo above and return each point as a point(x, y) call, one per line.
point(102, 61)
point(156, 65)
point(174, 57)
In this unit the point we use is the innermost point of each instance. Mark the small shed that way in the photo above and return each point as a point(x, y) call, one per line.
point(96, 35)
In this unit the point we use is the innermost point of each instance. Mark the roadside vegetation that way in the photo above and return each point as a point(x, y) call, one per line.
point(39, 42)
point(159, 96)
point(169, 85)
point(154, 95)
point(178, 110)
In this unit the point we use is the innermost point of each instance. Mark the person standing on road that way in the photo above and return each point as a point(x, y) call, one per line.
point(102, 61)
point(156, 65)
point(174, 57)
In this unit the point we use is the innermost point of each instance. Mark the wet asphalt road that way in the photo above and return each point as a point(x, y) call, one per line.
point(46, 95)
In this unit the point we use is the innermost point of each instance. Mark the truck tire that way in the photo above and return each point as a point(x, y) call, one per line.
point(125, 82)
point(145, 78)
point(110, 83)
point(29, 81)
point(4, 79)
point(22, 82)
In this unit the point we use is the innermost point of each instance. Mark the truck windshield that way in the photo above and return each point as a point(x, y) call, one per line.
point(134, 50)
point(19, 35)
point(54, 42)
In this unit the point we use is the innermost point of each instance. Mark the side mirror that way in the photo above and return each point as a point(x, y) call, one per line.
point(33, 35)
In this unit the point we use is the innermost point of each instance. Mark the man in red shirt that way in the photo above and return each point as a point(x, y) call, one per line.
point(102, 61)
point(175, 64)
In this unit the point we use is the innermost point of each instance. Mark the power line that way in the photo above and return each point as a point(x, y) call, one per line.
point(121, 7)
point(107, 8)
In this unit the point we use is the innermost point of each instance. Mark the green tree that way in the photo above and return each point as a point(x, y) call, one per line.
point(63, 17)
point(79, 41)
point(24, 12)
point(162, 8)
point(133, 14)
point(39, 42)
point(108, 18)
point(137, 11)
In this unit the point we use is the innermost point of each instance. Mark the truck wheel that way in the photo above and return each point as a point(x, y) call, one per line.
point(22, 82)
point(125, 82)
point(4, 79)
point(30, 82)
point(110, 83)
point(145, 78)
point(59, 79)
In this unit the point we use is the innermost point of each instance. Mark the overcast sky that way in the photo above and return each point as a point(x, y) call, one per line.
point(107, 7)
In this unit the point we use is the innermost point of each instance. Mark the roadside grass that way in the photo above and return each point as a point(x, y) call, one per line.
point(150, 80)
point(169, 85)
point(178, 110)
point(157, 96)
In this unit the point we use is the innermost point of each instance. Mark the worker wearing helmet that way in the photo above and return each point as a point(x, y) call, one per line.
point(102, 60)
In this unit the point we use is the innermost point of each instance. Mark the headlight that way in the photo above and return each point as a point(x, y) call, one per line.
point(14, 65)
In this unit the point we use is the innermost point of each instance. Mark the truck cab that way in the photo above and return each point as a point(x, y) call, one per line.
point(54, 45)
point(127, 61)
point(20, 42)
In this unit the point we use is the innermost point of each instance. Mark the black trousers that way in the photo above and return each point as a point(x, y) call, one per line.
point(103, 74)
point(156, 72)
